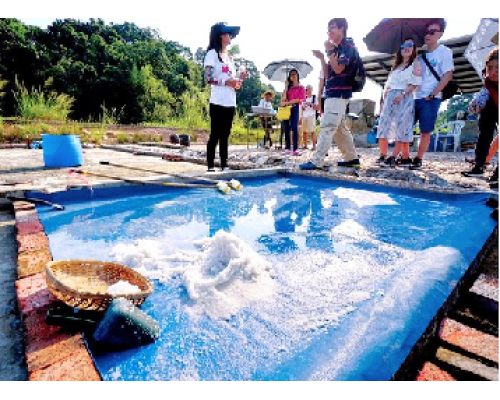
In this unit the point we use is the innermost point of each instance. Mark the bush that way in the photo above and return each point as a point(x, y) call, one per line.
point(38, 105)
point(122, 138)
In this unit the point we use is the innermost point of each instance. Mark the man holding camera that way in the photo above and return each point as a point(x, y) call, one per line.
point(341, 54)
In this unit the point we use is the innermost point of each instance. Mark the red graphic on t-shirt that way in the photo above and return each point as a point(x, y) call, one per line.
point(225, 69)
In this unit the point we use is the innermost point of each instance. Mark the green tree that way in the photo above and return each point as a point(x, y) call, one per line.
point(154, 101)
point(458, 104)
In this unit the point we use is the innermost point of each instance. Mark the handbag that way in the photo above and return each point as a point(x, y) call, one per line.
point(451, 88)
point(284, 113)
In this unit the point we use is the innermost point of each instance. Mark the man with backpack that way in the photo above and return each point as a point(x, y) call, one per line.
point(345, 74)
point(309, 117)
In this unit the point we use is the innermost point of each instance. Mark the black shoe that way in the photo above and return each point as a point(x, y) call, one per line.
point(494, 185)
point(404, 162)
point(389, 162)
point(211, 170)
point(350, 164)
point(416, 164)
point(476, 171)
point(380, 160)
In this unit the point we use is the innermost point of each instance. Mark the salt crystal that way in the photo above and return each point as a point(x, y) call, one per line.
point(123, 288)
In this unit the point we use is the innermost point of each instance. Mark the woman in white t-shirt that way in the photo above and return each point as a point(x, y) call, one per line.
point(397, 116)
point(309, 109)
point(220, 73)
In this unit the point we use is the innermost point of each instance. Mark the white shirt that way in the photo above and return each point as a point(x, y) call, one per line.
point(266, 104)
point(308, 111)
point(221, 95)
point(442, 61)
point(400, 78)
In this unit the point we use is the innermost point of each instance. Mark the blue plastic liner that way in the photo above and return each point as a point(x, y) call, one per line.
point(60, 151)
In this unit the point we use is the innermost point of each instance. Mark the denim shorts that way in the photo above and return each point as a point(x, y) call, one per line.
point(426, 113)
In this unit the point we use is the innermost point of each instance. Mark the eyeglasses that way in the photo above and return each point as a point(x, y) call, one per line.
point(431, 32)
point(406, 45)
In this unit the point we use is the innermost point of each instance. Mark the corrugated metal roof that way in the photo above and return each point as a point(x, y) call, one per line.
point(379, 66)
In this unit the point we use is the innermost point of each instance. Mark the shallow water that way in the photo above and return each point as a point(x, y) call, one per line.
point(343, 279)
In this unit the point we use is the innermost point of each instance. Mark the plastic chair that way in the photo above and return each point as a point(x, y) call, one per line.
point(453, 130)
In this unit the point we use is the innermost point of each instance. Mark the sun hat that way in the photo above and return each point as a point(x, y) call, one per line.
point(268, 92)
point(223, 28)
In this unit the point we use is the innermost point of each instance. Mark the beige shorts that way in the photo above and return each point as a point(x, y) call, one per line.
point(309, 124)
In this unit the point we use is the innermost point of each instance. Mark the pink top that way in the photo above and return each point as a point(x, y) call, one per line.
point(297, 92)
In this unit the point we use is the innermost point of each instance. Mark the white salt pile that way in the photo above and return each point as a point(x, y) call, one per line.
point(221, 277)
point(123, 288)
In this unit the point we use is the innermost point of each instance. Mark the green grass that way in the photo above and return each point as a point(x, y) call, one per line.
point(37, 104)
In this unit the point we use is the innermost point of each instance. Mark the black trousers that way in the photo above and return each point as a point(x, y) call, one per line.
point(487, 127)
point(221, 121)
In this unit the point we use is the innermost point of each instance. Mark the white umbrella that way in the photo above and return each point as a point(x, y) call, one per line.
point(482, 43)
point(278, 70)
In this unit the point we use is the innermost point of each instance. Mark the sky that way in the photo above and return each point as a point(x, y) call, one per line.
point(270, 31)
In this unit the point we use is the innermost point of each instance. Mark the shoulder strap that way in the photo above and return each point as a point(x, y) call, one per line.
point(431, 68)
point(314, 98)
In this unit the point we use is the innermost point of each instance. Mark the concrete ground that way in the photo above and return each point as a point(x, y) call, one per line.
point(22, 170)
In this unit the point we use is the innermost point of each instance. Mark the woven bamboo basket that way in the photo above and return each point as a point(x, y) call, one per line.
point(84, 284)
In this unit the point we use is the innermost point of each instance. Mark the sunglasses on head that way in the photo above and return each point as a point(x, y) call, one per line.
point(431, 32)
point(406, 45)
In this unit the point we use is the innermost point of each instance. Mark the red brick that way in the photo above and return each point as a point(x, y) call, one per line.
point(486, 286)
point(431, 372)
point(467, 364)
point(23, 206)
point(49, 355)
point(40, 335)
point(26, 228)
point(32, 242)
point(32, 263)
point(28, 286)
point(26, 216)
point(469, 339)
point(77, 367)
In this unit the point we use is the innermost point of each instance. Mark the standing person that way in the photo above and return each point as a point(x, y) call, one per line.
point(428, 95)
point(309, 108)
point(485, 103)
point(265, 102)
point(295, 94)
point(342, 55)
point(398, 115)
point(220, 73)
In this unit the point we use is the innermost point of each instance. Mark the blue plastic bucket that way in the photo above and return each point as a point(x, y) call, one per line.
point(61, 151)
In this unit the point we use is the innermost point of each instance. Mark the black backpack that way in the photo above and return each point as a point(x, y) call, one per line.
point(358, 74)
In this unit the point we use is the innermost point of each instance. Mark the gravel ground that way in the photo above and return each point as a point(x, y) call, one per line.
point(441, 171)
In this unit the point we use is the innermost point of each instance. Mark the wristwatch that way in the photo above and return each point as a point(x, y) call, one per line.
point(431, 96)
point(330, 52)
